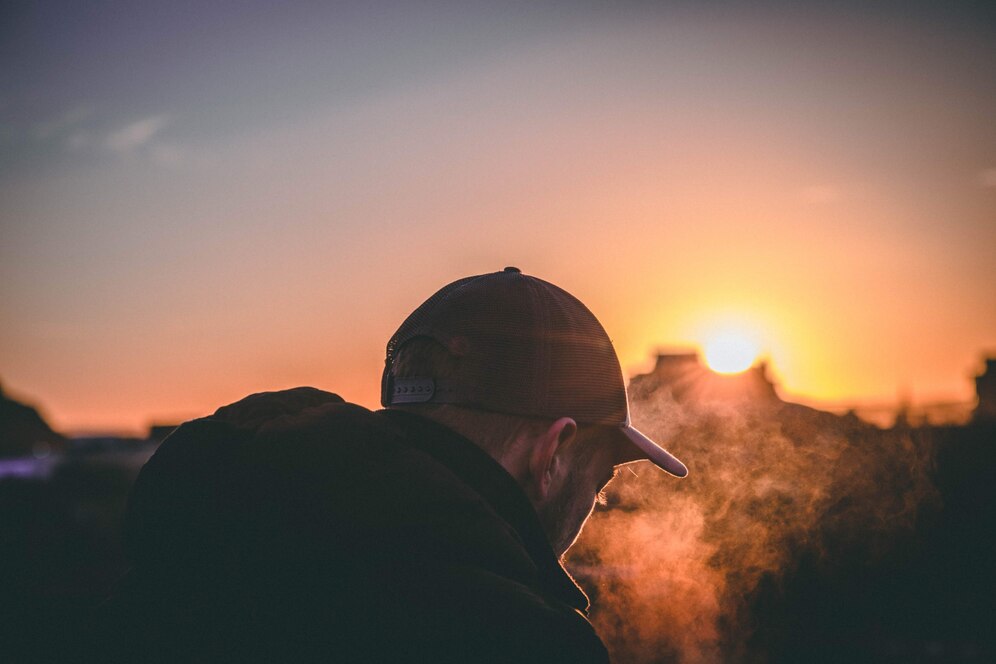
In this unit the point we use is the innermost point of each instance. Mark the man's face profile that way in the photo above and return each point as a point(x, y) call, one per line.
point(572, 500)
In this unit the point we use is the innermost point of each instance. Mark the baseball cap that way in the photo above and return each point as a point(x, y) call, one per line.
point(526, 347)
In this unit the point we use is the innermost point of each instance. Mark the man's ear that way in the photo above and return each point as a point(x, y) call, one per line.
point(544, 460)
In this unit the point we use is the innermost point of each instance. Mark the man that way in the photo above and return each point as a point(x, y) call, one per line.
point(292, 526)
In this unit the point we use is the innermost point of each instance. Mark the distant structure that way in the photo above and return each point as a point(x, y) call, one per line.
point(112, 444)
point(690, 381)
point(985, 388)
point(23, 432)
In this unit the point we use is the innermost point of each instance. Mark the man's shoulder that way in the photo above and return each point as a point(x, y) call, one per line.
point(299, 445)
point(284, 422)
point(302, 425)
point(305, 466)
point(214, 472)
point(328, 521)
point(284, 408)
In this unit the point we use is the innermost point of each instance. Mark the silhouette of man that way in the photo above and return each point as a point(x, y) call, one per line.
point(292, 526)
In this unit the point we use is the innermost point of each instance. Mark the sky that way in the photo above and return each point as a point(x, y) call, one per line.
point(203, 200)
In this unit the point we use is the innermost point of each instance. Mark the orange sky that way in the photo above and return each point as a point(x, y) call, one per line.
point(254, 214)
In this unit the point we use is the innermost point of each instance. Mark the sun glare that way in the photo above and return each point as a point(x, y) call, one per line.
point(730, 352)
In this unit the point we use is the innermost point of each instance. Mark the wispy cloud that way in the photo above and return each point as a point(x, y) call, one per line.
point(79, 140)
point(62, 123)
point(136, 134)
point(987, 178)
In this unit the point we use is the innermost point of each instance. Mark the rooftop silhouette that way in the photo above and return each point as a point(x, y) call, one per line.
point(689, 380)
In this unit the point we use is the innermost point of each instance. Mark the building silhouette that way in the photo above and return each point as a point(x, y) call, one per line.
point(690, 381)
point(985, 389)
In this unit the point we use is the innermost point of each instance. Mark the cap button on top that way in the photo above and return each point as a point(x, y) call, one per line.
point(513, 269)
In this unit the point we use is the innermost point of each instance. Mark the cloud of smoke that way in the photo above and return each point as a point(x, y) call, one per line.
point(672, 566)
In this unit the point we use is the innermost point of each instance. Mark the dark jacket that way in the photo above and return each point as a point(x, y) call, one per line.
point(292, 526)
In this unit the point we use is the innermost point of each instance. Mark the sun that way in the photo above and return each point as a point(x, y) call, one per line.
point(730, 352)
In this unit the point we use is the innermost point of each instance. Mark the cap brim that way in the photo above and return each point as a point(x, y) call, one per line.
point(654, 452)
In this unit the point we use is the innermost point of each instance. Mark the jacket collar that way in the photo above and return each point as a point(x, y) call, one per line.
point(486, 476)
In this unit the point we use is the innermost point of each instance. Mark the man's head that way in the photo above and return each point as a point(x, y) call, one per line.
point(526, 371)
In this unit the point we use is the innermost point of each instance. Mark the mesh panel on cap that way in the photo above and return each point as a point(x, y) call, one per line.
point(531, 349)
point(415, 321)
point(585, 376)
